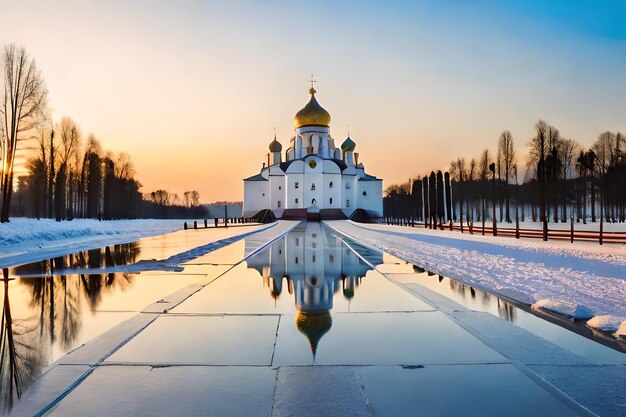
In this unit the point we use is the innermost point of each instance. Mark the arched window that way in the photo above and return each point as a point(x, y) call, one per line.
point(296, 185)
point(347, 186)
point(364, 192)
point(313, 187)
point(330, 185)
point(314, 201)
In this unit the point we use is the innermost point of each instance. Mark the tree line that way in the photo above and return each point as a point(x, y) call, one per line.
point(562, 180)
point(67, 174)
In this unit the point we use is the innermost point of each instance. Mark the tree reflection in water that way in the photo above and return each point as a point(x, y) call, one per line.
point(58, 300)
point(20, 360)
point(470, 294)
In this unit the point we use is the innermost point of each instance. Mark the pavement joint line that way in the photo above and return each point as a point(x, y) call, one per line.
point(275, 341)
point(188, 364)
point(352, 365)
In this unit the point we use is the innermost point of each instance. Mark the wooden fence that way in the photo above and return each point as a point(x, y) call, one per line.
point(572, 234)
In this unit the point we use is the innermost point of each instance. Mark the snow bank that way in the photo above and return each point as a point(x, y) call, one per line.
point(528, 272)
point(563, 308)
point(24, 240)
point(22, 230)
point(621, 332)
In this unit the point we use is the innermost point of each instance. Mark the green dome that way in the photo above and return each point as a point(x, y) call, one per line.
point(348, 145)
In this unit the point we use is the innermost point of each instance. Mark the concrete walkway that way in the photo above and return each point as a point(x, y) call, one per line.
point(218, 349)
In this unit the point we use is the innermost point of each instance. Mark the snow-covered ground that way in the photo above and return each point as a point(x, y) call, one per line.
point(583, 275)
point(23, 240)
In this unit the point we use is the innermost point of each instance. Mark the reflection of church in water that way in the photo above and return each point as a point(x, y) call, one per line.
point(313, 265)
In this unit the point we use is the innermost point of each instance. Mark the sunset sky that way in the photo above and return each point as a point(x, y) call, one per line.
point(193, 89)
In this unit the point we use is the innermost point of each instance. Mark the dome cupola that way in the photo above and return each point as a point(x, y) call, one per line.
point(275, 146)
point(348, 145)
point(312, 114)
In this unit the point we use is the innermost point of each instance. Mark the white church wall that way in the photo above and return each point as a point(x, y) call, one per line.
point(256, 197)
point(369, 196)
point(313, 182)
point(277, 191)
point(348, 198)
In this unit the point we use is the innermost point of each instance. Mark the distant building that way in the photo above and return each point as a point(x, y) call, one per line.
point(315, 176)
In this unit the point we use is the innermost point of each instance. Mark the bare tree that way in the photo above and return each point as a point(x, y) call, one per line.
point(506, 150)
point(568, 149)
point(537, 160)
point(24, 98)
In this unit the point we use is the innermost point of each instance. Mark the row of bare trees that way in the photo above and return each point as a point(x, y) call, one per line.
point(67, 174)
point(562, 180)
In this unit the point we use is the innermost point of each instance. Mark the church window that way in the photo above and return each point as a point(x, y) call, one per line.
point(296, 259)
point(314, 201)
point(313, 235)
point(347, 203)
point(313, 258)
point(297, 241)
point(364, 192)
point(330, 185)
point(296, 201)
point(314, 245)
point(313, 187)
point(280, 251)
point(278, 204)
point(296, 185)
point(347, 186)
point(263, 195)
point(279, 188)
point(331, 258)
point(331, 200)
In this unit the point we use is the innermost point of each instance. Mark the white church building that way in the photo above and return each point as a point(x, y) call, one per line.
point(313, 176)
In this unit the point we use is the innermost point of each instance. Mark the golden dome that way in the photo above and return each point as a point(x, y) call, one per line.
point(314, 325)
point(312, 114)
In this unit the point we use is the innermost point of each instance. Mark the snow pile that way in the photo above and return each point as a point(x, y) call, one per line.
point(24, 240)
point(563, 308)
point(21, 230)
point(598, 284)
point(621, 331)
point(605, 323)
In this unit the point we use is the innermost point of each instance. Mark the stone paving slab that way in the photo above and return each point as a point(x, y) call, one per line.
point(378, 294)
point(207, 340)
point(382, 339)
point(608, 396)
point(241, 291)
point(172, 300)
point(47, 388)
point(313, 391)
point(458, 390)
point(97, 349)
point(138, 391)
point(517, 342)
